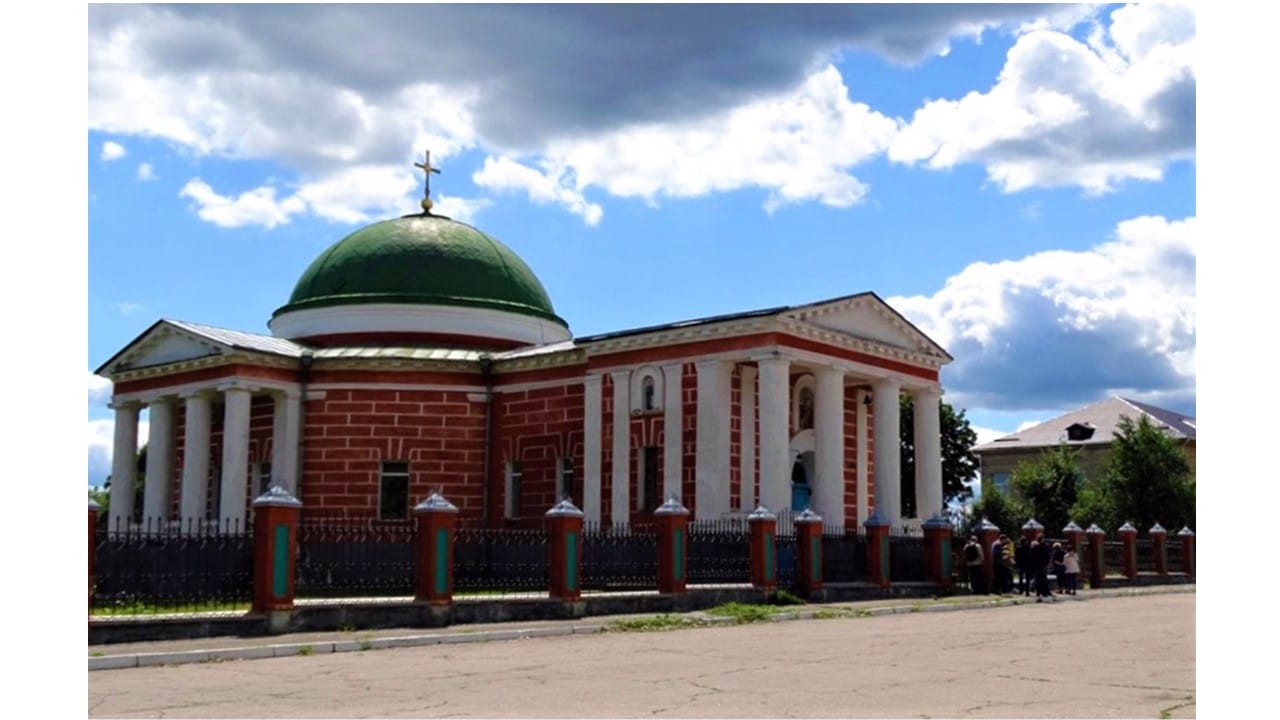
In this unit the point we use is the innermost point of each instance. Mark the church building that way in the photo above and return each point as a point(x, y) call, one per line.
point(420, 354)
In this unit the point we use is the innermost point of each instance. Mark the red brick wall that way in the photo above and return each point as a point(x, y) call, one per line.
point(537, 428)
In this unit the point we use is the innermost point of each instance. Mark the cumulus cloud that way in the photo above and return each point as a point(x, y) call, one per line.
point(1119, 105)
point(99, 390)
point(1059, 328)
point(551, 93)
point(145, 172)
point(112, 151)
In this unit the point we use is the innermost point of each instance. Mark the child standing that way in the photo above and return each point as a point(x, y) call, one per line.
point(1071, 565)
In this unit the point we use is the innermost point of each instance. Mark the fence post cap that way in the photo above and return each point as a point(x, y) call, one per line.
point(808, 516)
point(435, 502)
point(1030, 525)
point(276, 496)
point(761, 513)
point(986, 525)
point(1127, 528)
point(1156, 529)
point(1185, 531)
point(93, 505)
point(876, 520)
point(1072, 527)
point(672, 506)
point(1095, 530)
point(564, 508)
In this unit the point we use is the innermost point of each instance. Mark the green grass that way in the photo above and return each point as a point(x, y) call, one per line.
point(306, 650)
point(831, 614)
point(782, 597)
point(656, 623)
point(138, 607)
point(744, 613)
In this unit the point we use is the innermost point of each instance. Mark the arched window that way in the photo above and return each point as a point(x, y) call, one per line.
point(650, 394)
point(646, 390)
point(804, 411)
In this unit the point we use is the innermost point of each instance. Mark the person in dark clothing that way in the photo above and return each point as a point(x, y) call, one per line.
point(973, 559)
point(999, 571)
point(1040, 559)
point(1059, 567)
point(1022, 560)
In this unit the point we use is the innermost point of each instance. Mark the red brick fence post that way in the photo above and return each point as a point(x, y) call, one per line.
point(1097, 556)
point(1158, 536)
point(988, 533)
point(94, 509)
point(1129, 551)
point(764, 552)
point(1032, 530)
point(937, 543)
point(809, 550)
point(878, 549)
point(564, 551)
point(275, 545)
point(673, 546)
point(436, 519)
point(1188, 539)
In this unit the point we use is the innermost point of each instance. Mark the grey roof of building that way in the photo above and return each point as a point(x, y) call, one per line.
point(243, 340)
point(1103, 416)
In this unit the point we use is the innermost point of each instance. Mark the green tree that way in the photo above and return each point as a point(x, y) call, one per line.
point(1146, 480)
point(959, 464)
point(1049, 487)
point(1006, 513)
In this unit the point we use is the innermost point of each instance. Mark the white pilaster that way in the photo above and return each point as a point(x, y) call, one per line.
point(828, 454)
point(747, 442)
point(775, 413)
point(928, 452)
point(620, 510)
point(195, 459)
point(124, 468)
point(284, 440)
point(711, 469)
point(235, 457)
point(159, 476)
point(672, 430)
point(864, 500)
point(592, 409)
point(887, 445)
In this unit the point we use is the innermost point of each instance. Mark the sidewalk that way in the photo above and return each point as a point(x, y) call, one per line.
point(175, 652)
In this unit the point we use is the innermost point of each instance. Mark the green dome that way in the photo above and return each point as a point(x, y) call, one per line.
point(421, 260)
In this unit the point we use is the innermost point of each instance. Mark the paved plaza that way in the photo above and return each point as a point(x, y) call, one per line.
point(1127, 656)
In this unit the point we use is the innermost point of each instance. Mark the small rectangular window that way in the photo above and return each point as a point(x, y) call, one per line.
point(263, 480)
point(1000, 481)
point(514, 476)
point(393, 493)
point(649, 501)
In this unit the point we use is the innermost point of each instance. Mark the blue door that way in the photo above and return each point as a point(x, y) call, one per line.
point(800, 490)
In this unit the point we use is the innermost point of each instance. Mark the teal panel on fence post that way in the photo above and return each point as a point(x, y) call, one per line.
point(768, 557)
point(679, 558)
point(442, 561)
point(571, 560)
point(280, 562)
point(815, 550)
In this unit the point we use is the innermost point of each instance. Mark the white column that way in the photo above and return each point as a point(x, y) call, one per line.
point(672, 430)
point(864, 501)
point(284, 440)
point(124, 465)
point(775, 426)
point(747, 443)
point(711, 469)
point(235, 457)
point(928, 452)
point(592, 408)
point(620, 512)
point(195, 458)
point(887, 445)
point(828, 453)
point(159, 477)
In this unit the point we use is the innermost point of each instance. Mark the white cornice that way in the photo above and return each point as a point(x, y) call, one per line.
point(564, 358)
point(681, 335)
point(231, 357)
point(863, 345)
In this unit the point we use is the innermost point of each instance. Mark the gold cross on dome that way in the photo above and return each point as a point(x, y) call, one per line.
point(426, 171)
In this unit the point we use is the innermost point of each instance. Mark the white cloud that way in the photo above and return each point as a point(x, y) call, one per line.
point(799, 146)
point(1060, 328)
point(145, 172)
point(99, 390)
point(112, 151)
point(460, 208)
point(253, 207)
point(504, 174)
point(1064, 112)
point(102, 447)
point(985, 434)
point(128, 308)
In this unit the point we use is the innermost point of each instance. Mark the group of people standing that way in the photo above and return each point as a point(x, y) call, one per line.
point(1033, 560)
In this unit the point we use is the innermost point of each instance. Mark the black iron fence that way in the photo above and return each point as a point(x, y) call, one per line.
point(906, 557)
point(619, 558)
point(355, 558)
point(170, 568)
point(489, 563)
point(719, 553)
point(844, 555)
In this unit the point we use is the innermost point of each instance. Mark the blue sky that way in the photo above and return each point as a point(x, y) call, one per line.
point(1018, 181)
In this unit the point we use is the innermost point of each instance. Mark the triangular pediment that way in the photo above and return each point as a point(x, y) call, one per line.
point(161, 344)
point(867, 317)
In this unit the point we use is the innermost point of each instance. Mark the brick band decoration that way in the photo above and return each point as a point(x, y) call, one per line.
point(564, 551)
point(275, 543)
point(673, 520)
point(764, 555)
point(436, 518)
